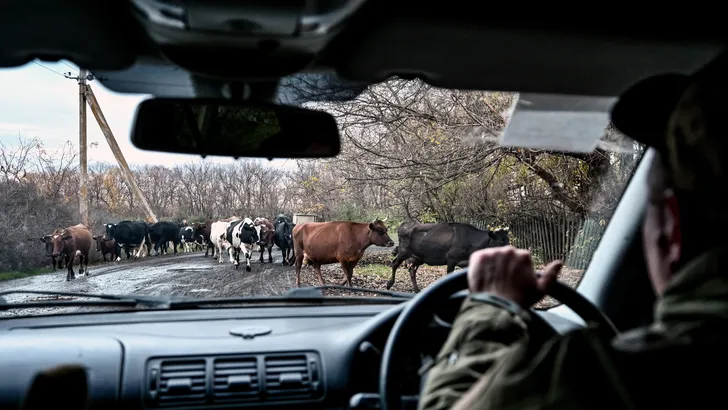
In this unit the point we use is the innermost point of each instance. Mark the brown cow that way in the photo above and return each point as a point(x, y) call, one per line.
point(72, 241)
point(266, 233)
point(105, 246)
point(340, 241)
point(204, 229)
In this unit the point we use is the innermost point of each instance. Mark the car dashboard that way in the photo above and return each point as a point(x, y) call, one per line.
point(319, 356)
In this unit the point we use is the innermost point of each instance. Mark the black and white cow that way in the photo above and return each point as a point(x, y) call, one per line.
point(187, 238)
point(242, 236)
point(130, 234)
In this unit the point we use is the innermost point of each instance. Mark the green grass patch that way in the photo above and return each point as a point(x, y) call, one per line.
point(374, 269)
point(23, 274)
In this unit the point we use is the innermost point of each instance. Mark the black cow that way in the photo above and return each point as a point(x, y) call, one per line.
point(130, 234)
point(162, 232)
point(438, 244)
point(283, 237)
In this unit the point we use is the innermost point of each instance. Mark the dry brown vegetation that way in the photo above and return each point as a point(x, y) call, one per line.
point(408, 152)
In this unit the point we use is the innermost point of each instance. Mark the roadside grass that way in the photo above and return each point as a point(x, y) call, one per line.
point(23, 274)
point(374, 269)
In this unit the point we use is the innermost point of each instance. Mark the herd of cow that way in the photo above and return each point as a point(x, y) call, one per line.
point(311, 243)
point(235, 235)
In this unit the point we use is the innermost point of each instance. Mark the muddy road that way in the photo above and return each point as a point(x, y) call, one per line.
point(186, 274)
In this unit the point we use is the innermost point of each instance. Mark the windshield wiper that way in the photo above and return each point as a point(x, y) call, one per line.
point(308, 290)
point(105, 300)
point(312, 295)
point(307, 295)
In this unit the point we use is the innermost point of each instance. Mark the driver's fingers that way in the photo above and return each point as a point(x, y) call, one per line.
point(550, 272)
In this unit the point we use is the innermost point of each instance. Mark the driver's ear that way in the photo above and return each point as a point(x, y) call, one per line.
point(671, 241)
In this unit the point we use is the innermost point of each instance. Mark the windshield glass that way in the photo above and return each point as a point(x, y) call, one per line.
point(410, 153)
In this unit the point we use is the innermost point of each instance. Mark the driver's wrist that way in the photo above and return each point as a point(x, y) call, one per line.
point(487, 298)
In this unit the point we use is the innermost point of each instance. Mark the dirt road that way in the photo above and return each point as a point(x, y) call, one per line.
point(189, 274)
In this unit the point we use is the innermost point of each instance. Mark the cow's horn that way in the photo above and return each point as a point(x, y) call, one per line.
point(385, 219)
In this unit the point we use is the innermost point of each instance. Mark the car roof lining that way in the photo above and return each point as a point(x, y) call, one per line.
point(452, 44)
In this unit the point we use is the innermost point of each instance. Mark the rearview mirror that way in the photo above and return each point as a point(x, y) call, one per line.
point(234, 129)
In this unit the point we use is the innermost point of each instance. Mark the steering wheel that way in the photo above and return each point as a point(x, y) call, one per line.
point(421, 308)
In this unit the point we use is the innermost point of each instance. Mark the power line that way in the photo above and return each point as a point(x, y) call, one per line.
point(49, 69)
point(69, 66)
point(103, 79)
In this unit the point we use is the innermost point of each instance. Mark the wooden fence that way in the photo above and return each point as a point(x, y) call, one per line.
point(554, 235)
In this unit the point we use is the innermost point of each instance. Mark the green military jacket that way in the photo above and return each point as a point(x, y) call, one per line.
point(489, 361)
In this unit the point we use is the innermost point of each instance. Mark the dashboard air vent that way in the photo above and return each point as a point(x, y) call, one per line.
point(288, 376)
point(236, 379)
point(181, 382)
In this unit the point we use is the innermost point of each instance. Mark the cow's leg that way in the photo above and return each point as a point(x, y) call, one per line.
point(232, 251)
point(141, 246)
point(413, 276)
point(345, 266)
point(401, 257)
point(317, 269)
point(298, 262)
point(248, 257)
point(80, 264)
point(270, 254)
point(284, 254)
point(262, 249)
point(450, 266)
point(69, 268)
point(218, 248)
point(350, 273)
point(291, 258)
point(85, 262)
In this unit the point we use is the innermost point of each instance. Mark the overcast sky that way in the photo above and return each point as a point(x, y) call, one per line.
point(38, 101)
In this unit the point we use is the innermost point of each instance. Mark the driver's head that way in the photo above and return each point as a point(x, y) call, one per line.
point(685, 118)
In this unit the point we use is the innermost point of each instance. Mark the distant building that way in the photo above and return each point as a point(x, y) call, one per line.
point(303, 218)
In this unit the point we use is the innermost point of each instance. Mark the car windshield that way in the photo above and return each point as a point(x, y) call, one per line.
point(536, 172)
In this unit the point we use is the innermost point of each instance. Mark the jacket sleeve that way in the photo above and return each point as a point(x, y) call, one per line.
point(489, 362)
point(481, 334)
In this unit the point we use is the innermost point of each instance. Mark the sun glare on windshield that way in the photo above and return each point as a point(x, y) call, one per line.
point(425, 177)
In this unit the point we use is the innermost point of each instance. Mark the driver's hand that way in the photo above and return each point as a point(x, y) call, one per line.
point(508, 272)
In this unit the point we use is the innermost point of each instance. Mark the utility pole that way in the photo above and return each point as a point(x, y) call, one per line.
point(125, 171)
point(86, 96)
point(82, 77)
point(83, 145)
